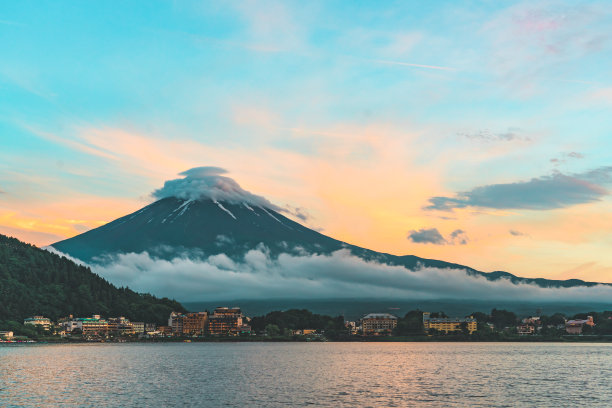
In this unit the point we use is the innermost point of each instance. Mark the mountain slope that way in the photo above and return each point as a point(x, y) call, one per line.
point(171, 225)
point(197, 228)
point(34, 281)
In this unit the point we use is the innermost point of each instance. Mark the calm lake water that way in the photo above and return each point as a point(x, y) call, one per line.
point(302, 374)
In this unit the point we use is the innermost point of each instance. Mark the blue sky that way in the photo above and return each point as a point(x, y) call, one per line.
point(359, 112)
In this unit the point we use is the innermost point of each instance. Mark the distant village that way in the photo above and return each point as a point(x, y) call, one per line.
point(229, 322)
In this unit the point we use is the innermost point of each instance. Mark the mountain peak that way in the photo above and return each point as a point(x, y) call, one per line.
point(201, 183)
point(201, 226)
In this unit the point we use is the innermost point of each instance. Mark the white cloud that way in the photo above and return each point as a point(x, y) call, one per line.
point(77, 261)
point(309, 276)
point(209, 183)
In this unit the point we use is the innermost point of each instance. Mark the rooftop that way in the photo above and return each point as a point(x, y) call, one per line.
point(379, 316)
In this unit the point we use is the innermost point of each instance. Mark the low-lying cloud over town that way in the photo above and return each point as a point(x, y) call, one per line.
point(339, 275)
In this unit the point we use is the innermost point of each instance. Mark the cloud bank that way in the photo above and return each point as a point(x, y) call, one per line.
point(314, 276)
point(209, 183)
point(542, 193)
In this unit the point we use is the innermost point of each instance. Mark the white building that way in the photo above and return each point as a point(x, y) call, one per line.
point(45, 322)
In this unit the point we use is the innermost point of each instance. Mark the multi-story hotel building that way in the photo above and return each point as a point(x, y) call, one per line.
point(45, 322)
point(225, 320)
point(88, 325)
point(447, 324)
point(120, 325)
point(175, 322)
point(139, 327)
point(194, 323)
point(378, 323)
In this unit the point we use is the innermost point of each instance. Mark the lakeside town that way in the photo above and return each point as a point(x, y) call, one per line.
point(230, 323)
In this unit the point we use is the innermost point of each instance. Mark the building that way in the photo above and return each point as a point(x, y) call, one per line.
point(175, 322)
point(44, 322)
point(226, 321)
point(378, 323)
point(304, 332)
point(6, 335)
point(575, 326)
point(139, 327)
point(120, 325)
point(448, 325)
point(88, 325)
point(525, 329)
point(194, 323)
point(351, 326)
point(532, 320)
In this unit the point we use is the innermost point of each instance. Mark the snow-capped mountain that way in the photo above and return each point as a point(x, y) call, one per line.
point(199, 227)
point(173, 226)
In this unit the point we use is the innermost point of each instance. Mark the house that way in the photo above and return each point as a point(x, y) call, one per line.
point(575, 326)
point(525, 329)
point(304, 332)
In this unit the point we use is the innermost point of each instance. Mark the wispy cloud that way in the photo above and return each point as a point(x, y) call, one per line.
point(76, 145)
point(12, 23)
point(566, 156)
point(409, 64)
point(542, 193)
point(298, 212)
point(530, 41)
point(487, 135)
point(516, 233)
point(28, 235)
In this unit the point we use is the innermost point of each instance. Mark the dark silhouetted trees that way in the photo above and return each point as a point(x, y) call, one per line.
point(36, 282)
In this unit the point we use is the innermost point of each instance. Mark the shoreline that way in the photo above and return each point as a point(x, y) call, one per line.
point(394, 339)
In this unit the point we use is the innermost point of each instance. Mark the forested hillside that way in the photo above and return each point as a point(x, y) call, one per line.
point(36, 282)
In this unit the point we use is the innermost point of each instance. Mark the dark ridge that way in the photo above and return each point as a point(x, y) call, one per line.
point(37, 282)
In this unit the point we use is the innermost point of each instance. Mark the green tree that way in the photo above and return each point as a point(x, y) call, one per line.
point(503, 318)
point(272, 330)
point(411, 324)
point(36, 282)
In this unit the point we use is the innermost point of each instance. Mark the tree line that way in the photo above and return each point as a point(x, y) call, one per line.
point(37, 282)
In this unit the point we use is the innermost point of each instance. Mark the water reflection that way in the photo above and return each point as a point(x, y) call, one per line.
point(300, 374)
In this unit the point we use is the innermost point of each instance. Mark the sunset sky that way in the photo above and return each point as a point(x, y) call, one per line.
point(476, 133)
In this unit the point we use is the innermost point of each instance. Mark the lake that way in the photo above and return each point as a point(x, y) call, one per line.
point(306, 374)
